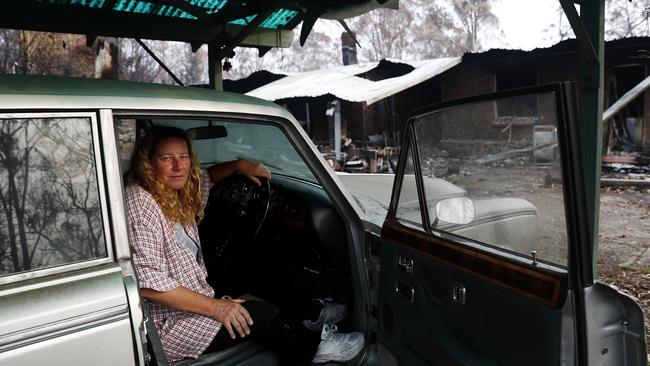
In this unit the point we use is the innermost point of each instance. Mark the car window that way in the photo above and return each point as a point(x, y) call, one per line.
point(254, 141)
point(495, 180)
point(408, 206)
point(125, 132)
point(50, 212)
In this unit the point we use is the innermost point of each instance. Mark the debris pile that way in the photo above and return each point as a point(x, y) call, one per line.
point(626, 169)
point(366, 159)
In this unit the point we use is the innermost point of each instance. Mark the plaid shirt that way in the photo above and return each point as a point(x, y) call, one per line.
point(162, 264)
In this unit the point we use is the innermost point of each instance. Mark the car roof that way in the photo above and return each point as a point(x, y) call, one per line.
point(53, 92)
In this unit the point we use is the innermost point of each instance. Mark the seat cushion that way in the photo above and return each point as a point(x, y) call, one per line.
point(249, 353)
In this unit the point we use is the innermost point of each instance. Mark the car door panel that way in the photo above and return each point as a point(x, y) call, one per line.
point(543, 286)
point(615, 326)
point(502, 273)
point(65, 296)
point(460, 337)
point(49, 320)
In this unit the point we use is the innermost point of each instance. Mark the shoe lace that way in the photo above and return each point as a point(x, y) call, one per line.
point(330, 332)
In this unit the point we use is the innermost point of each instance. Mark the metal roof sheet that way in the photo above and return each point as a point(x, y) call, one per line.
point(344, 83)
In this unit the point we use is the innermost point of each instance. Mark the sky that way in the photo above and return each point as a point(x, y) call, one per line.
point(523, 23)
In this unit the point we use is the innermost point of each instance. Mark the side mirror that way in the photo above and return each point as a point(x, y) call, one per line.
point(207, 132)
point(456, 210)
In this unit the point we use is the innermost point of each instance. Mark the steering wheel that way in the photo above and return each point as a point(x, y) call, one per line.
point(236, 211)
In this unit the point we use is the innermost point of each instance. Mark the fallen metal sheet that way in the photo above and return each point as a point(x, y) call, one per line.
point(344, 83)
point(626, 99)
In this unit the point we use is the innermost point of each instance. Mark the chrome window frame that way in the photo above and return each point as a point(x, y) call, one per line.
point(101, 189)
point(114, 186)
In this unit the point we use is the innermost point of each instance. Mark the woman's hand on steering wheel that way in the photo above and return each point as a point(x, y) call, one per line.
point(254, 171)
point(233, 316)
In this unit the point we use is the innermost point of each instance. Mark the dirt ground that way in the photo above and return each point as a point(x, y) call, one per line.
point(624, 247)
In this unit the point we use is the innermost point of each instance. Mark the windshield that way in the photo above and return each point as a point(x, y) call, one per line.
point(264, 143)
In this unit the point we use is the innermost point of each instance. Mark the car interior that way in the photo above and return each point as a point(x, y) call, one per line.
point(282, 241)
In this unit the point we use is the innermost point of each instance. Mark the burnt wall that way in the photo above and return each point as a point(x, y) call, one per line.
point(513, 119)
point(626, 64)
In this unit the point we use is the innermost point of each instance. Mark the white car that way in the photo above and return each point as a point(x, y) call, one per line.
point(509, 223)
point(439, 283)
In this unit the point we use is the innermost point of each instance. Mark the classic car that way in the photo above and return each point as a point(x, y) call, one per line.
point(510, 223)
point(442, 281)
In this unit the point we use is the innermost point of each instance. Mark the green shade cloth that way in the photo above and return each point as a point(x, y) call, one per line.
point(279, 19)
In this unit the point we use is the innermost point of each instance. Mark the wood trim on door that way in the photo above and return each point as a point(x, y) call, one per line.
point(537, 284)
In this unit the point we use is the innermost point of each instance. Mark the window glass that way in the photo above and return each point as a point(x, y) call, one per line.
point(264, 143)
point(485, 183)
point(408, 206)
point(49, 202)
point(125, 136)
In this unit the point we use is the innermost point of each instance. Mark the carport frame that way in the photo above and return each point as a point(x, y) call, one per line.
point(220, 25)
point(589, 29)
point(221, 38)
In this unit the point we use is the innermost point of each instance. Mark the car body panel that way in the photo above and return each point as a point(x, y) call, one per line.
point(449, 298)
point(102, 100)
point(513, 309)
point(505, 220)
point(500, 324)
point(48, 320)
point(79, 301)
point(614, 327)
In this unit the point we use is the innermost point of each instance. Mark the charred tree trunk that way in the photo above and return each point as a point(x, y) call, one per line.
point(13, 247)
point(20, 220)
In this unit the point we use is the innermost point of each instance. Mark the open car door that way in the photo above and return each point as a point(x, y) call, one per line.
point(500, 272)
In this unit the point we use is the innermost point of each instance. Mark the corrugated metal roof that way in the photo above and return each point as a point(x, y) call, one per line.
point(198, 22)
point(563, 47)
point(344, 83)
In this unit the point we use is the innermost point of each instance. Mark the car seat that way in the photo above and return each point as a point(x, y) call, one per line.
point(248, 353)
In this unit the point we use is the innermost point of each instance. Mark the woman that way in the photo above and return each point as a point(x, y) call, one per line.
point(165, 197)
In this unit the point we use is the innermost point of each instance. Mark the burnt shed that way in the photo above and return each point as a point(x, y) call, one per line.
point(374, 99)
point(626, 65)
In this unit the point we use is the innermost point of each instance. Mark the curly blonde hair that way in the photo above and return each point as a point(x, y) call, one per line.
point(183, 205)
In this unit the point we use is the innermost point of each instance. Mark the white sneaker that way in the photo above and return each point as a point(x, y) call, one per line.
point(338, 347)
